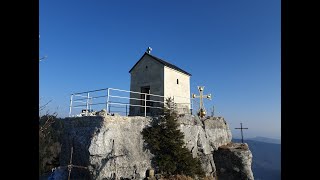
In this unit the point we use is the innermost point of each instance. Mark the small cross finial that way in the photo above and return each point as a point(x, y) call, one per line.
point(149, 50)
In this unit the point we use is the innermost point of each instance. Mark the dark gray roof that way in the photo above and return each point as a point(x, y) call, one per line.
point(162, 62)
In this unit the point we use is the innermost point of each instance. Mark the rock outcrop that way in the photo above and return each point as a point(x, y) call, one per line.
point(233, 161)
point(203, 137)
point(111, 147)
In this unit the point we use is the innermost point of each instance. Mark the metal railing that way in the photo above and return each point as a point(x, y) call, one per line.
point(86, 100)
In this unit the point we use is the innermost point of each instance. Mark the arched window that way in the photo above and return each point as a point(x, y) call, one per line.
point(177, 81)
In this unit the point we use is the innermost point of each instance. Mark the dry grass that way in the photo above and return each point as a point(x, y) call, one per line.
point(227, 146)
point(232, 145)
point(243, 147)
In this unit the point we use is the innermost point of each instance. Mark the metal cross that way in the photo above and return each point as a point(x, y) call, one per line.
point(212, 111)
point(202, 111)
point(241, 131)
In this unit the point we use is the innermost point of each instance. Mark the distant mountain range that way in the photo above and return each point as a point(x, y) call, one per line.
point(265, 139)
point(266, 160)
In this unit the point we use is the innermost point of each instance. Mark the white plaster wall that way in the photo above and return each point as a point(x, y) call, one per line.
point(172, 89)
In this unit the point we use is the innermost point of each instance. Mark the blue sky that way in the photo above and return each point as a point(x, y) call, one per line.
point(231, 47)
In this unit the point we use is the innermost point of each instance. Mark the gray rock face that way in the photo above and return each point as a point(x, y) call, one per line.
point(202, 137)
point(112, 146)
point(233, 161)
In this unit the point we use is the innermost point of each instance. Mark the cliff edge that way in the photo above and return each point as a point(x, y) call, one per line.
point(111, 147)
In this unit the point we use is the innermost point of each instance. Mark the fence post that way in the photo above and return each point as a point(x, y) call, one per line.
point(70, 105)
point(145, 104)
point(212, 110)
point(108, 91)
point(87, 104)
point(126, 110)
point(191, 106)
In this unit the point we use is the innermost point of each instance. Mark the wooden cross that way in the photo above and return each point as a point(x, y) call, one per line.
point(70, 165)
point(202, 111)
point(241, 131)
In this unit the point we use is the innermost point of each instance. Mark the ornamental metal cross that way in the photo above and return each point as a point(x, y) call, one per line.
point(241, 131)
point(202, 111)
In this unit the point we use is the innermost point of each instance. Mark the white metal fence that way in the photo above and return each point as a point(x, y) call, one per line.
point(117, 101)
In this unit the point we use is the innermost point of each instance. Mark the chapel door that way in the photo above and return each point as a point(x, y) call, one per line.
point(145, 89)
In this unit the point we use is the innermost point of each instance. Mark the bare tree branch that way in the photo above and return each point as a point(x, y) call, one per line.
point(44, 106)
point(42, 58)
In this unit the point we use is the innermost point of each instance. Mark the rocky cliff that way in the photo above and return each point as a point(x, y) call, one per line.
point(111, 147)
point(203, 137)
point(234, 162)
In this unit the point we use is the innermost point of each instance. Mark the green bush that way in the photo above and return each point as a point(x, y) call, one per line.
point(165, 142)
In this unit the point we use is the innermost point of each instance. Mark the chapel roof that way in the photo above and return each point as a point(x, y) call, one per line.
point(165, 63)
